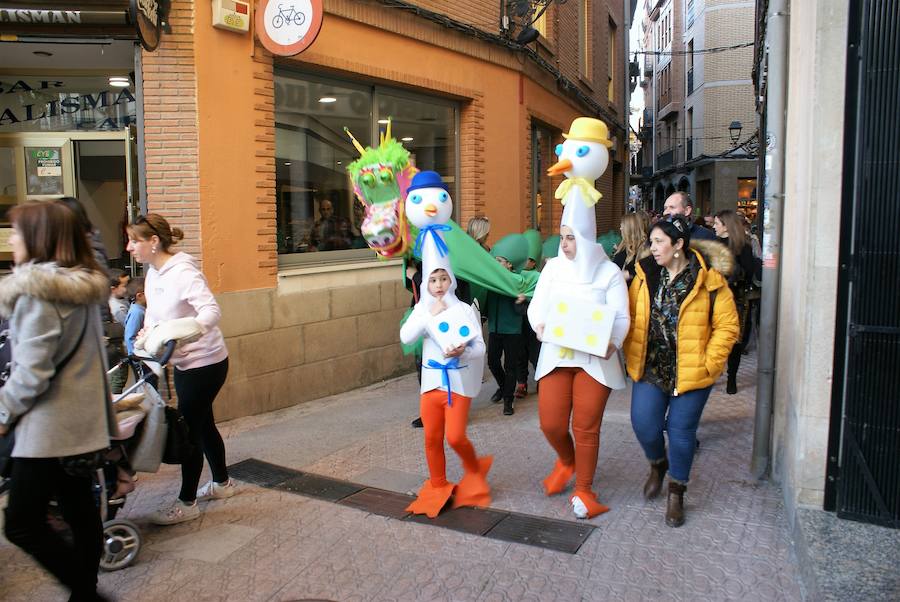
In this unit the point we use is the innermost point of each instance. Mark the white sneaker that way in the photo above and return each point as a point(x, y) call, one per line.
point(179, 512)
point(217, 491)
point(578, 507)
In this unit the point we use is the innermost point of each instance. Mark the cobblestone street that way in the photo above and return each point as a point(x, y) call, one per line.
point(271, 545)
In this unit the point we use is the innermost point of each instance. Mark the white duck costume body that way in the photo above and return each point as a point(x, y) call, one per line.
point(448, 384)
point(571, 377)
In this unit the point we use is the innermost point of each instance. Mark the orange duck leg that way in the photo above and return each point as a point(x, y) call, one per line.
point(558, 478)
point(473, 488)
point(431, 499)
point(589, 499)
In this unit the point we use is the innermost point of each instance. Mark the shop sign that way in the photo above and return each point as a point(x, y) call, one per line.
point(63, 15)
point(48, 104)
point(145, 15)
point(288, 27)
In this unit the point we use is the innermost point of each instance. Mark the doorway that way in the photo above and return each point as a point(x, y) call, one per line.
point(93, 167)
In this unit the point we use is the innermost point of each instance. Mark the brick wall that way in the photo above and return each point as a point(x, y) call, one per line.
point(170, 134)
point(264, 141)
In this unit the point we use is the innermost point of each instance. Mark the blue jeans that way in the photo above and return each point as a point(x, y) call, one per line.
point(653, 410)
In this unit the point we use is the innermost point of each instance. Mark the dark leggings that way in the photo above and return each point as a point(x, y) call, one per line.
point(508, 347)
point(734, 358)
point(197, 389)
point(35, 481)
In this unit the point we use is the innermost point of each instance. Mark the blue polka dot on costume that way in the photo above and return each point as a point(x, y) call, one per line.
point(464, 331)
point(443, 327)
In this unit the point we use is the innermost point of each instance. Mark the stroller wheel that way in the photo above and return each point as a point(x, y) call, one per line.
point(121, 544)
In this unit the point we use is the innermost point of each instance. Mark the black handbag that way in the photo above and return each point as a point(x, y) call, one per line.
point(179, 446)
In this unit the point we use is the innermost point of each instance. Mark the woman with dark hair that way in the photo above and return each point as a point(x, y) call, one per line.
point(683, 326)
point(179, 301)
point(56, 396)
point(729, 227)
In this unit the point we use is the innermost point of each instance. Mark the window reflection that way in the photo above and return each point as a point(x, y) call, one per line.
point(316, 209)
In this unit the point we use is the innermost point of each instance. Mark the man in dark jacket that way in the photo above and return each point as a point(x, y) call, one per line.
point(680, 204)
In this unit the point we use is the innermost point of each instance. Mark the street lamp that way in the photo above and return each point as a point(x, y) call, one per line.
point(735, 130)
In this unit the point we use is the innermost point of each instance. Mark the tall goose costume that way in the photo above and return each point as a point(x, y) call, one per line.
point(448, 383)
point(574, 384)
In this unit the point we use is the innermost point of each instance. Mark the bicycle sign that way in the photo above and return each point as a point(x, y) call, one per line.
point(288, 15)
point(287, 27)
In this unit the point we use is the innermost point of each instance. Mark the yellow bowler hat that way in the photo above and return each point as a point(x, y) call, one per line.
point(589, 130)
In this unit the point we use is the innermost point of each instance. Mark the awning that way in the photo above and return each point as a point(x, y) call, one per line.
point(130, 19)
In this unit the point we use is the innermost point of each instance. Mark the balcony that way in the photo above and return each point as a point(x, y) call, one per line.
point(690, 81)
point(665, 97)
point(666, 159)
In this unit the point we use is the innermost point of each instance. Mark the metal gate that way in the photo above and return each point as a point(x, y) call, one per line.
point(864, 448)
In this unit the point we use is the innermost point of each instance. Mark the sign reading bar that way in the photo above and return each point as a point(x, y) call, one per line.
point(288, 27)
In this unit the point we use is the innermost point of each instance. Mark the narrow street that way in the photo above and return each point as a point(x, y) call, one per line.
point(265, 544)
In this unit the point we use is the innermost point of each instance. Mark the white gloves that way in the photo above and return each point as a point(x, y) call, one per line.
point(182, 330)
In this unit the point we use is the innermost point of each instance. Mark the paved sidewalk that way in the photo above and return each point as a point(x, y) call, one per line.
point(271, 545)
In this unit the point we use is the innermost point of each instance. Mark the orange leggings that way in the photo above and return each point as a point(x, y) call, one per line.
point(439, 419)
point(573, 392)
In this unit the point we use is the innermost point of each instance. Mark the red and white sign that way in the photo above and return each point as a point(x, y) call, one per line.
point(288, 27)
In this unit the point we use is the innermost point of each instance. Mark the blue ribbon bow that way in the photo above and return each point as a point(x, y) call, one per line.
point(438, 239)
point(453, 364)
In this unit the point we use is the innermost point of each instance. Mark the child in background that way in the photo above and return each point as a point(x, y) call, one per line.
point(531, 344)
point(504, 314)
point(114, 330)
point(134, 322)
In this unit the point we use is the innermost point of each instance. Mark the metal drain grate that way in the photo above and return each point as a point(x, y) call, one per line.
point(323, 488)
point(563, 536)
point(260, 473)
point(380, 502)
point(476, 521)
point(552, 534)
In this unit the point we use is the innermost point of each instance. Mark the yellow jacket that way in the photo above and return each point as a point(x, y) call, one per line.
point(705, 337)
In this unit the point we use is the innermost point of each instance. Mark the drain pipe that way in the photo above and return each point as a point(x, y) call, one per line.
point(777, 28)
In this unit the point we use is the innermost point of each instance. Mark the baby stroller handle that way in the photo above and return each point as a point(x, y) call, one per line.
point(167, 352)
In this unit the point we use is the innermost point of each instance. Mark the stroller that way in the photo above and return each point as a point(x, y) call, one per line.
point(121, 537)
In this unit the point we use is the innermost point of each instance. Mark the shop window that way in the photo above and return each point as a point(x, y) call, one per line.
point(318, 217)
point(611, 66)
point(747, 202)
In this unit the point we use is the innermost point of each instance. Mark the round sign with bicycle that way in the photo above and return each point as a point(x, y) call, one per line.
point(288, 27)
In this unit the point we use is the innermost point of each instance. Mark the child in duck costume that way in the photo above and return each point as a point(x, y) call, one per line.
point(574, 384)
point(451, 377)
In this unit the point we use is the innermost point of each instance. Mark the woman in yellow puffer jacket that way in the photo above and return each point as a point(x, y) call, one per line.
point(683, 326)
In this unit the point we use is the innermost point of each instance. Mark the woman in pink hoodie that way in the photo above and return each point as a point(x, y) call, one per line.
point(177, 293)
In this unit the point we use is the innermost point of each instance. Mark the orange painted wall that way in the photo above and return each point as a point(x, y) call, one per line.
point(225, 108)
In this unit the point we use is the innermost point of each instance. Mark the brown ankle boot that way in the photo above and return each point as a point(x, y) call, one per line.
point(675, 504)
point(654, 482)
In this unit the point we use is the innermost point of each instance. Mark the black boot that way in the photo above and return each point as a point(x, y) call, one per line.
point(675, 504)
point(654, 481)
point(497, 396)
point(508, 409)
point(731, 387)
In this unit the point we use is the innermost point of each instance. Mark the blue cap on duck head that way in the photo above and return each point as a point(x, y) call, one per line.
point(428, 201)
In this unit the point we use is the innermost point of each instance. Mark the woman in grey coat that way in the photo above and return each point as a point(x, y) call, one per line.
point(56, 397)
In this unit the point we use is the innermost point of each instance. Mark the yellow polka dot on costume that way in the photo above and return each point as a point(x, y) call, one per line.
point(558, 331)
point(597, 315)
point(592, 340)
point(562, 308)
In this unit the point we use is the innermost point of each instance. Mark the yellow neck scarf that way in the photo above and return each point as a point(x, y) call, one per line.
point(588, 192)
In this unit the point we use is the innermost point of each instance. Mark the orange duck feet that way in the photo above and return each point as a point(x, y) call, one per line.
point(431, 499)
point(585, 505)
point(557, 480)
point(473, 488)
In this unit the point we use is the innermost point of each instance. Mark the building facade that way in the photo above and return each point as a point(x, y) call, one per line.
point(246, 152)
point(700, 123)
